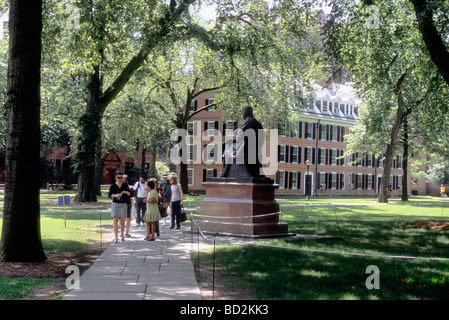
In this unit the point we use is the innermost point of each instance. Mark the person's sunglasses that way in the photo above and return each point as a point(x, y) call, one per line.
point(119, 177)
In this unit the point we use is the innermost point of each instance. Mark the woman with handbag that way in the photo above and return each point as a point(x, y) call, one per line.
point(176, 202)
point(152, 214)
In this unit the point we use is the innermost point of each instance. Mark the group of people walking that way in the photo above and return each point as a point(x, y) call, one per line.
point(152, 201)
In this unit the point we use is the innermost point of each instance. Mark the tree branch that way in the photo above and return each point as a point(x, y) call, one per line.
point(432, 39)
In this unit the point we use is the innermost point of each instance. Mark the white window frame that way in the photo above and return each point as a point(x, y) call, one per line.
point(323, 132)
point(295, 151)
point(309, 125)
point(322, 180)
point(322, 160)
point(209, 101)
point(359, 180)
point(192, 124)
point(191, 177)
point(325, 106)
point(359, 157)
point(369, 182)
point(190, 153)
point(211, 132)
point(192, 106)
point(334, 133)
point(209, 173)
point(333, 157)
point(308, 155)
point(369, 160)
point(282, 153)
point(295, 180)
point(230, 123)
point(333, 177)
point(281, 179)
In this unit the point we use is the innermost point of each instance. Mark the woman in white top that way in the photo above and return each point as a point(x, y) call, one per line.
point(176, 202)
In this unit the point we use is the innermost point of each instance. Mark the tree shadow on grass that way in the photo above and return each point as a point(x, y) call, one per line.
point(277, 273)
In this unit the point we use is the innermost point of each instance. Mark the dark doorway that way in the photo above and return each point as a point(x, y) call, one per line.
point(308, 185)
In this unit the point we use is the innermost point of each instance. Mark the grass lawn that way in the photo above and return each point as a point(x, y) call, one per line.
point(84, 227)
point(81, 227)
point(12, 288)
point(293, 268)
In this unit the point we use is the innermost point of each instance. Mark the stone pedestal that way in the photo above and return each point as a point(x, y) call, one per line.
point(241, 208)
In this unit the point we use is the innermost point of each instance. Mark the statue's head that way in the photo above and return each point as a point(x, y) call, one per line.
point(247, 111)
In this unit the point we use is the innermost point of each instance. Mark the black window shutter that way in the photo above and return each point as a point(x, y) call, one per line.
point(291, 152)
point(277, 177)
point(285, 179)
point(298, 182)
point(299, 154)
point(300, 128)
point(290, 180)
point(286, 153)
point(313, 155)
point(204, 175)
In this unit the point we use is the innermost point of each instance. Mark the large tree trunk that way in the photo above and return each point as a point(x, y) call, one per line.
point(389, 155)
point(405, 163)
point(99, 165)
point(21, 236)
point(90, 124)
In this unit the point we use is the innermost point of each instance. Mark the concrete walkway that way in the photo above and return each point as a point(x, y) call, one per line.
point(140, 270)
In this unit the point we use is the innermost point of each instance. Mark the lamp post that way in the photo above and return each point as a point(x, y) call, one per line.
point(307, 180)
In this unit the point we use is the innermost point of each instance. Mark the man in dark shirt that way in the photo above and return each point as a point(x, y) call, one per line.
point(120, 193)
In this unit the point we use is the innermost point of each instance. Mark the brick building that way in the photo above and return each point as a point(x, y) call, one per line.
point(309, 150)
